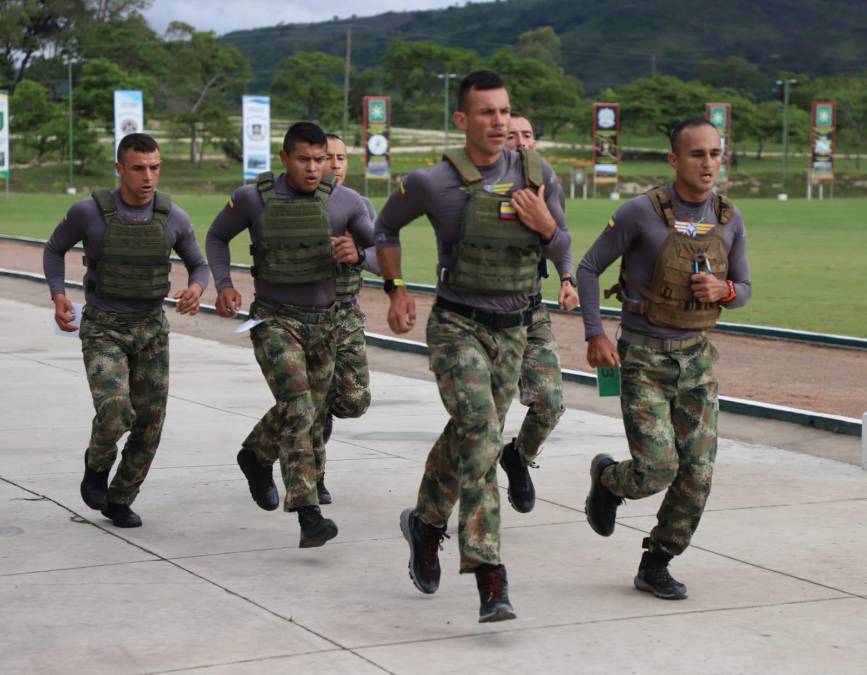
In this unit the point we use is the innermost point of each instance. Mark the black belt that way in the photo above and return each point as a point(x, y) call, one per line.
point(346, 304)
point(658, 344)
point(302, 314)
point(492, 320)
point(535, 302)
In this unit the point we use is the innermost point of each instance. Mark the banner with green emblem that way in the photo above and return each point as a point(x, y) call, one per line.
point(4, 135)
point(606, 142)
point(377, 136)
point(823, 139)
point(720, 116)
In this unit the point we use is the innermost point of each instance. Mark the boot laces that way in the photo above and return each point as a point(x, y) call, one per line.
point(660, 576)
point(433, 543)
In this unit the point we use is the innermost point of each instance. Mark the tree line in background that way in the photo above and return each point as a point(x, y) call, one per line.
point(193, 82)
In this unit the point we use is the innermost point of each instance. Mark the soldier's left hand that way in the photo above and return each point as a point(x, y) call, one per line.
point(708, 288)
point(568, 297)
point(534, 213)
point(188, 299)
point(345, 250)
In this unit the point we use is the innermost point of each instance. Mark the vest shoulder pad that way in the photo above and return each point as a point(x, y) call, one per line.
point(162, 203)
point(459, 159)
point(661, 201)
point(105, 201)
point(326, 187)
point(531, 164)
point(265, 182)
point(724, 207)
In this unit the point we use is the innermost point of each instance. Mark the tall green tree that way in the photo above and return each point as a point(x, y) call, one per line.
point(94, 91)
point(734, 73)
point(310, 85)
point(658, 103)
point(207, 76)
point(35, 121)
point(541, 44)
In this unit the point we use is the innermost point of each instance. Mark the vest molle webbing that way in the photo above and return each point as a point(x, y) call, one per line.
point(497, 254)
point(134, 263)
point(294, 236)
point(669, 300)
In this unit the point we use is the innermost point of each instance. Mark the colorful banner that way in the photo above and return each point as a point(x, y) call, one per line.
point(4, 135)
point(823, 141)
point(256, 111)
point(606, 142)
point(720, 115)
point(377, 136)
point(128, 114)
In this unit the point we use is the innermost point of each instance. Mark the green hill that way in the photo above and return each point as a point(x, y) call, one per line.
point(603, 44)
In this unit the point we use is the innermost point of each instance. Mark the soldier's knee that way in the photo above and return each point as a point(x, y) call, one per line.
point(116, 412)
point(658, 476)
point(351, 407)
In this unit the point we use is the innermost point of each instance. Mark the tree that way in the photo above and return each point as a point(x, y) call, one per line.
point(207, 75)
point(658, 103)
point(125, 40)
point(541, 44)
point(35, 119)
point(94, 92)
point(310, 85)
point(733, 73)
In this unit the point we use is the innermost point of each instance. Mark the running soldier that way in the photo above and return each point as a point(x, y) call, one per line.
point(541, 383)
point(684, 258)
point(495, 213)
point(128, 236)
point(304, 228)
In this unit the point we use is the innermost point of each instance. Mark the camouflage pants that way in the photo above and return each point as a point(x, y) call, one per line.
point(297, 360)
point(477, 373)
point(541, 386)
point(127, 364)
point(349, 393)
point(670, 405)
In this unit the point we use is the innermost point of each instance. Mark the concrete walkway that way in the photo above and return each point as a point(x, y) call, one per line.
point(212, 584)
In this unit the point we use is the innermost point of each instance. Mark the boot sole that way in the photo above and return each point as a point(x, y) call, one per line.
point(501, 614)
point(404, 528)
point(328, 532)
point(642, 585)
point(267, 506)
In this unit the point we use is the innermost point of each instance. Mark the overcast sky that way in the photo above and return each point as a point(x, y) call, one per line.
point(223, 17)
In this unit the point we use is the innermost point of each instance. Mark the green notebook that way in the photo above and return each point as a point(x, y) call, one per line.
point(608, 381)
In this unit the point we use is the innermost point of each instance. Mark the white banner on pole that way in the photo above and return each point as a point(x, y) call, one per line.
point(256, 135)
point(128, 114)
point(4, 135)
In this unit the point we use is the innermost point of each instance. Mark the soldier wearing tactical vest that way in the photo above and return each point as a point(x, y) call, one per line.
point(495, 213)
point(128, 236)
point(349, 393)
point(309, 236)
point(541, 383)
point(684, 259)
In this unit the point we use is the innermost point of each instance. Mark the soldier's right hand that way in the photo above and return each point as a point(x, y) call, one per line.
point(228, 302)
point(602, 352)
point(64, 313)
point(401, 311)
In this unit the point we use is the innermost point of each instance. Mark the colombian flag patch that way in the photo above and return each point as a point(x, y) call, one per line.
point(507, 211)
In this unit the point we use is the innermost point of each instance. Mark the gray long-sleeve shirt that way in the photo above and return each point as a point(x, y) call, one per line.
point(439, 193)
point(637, 233)
point(84, 222)
point(346, 212)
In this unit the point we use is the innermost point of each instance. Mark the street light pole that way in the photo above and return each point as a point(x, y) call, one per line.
point(69, 64)
point(445, 77)
point(785, 82)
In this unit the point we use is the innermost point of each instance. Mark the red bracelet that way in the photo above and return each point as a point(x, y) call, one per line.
point(732, 293)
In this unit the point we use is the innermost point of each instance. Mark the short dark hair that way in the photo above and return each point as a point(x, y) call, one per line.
point(303, 132)
point(333, 137)
point(137, 142)
point(690, 123)
point(480, 79)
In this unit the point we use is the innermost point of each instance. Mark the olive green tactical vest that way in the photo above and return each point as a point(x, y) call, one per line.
point(294, 236)
point(669, 300)
point(496, 254)
point(134, 264)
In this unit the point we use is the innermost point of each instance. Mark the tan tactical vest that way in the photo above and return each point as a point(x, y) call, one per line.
point(497, 254)
point(669, 300)
point(294, 236)
point(134, 264)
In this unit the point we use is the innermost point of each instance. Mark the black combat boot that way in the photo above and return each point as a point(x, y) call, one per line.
point(494, 594)
point(260, 480)
point(121, 515)
point(601, 503)
point(322, 491)
point(94, 486)
point(521, 493)
point(315, 530)
point(424, 546)
point(653, 577)
point(327, 427)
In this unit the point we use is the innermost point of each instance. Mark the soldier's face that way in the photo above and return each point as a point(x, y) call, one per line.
point(485, 120)
point(696, 161)
point(520, 134)
point(139, 176)
point(304, 166)
point(337, 159)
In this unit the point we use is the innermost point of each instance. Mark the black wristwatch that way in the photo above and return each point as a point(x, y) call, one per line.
point(391, 285)
point(570, 279)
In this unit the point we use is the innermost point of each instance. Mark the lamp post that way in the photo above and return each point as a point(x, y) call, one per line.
point(69, 64)
point(785, 84)
point(445, 77)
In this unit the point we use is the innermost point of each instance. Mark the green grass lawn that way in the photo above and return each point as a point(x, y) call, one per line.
point(808, 259)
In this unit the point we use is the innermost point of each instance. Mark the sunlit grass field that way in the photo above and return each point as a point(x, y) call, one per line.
point(808, 259)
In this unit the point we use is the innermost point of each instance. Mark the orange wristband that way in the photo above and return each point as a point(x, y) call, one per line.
point(732, 293)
